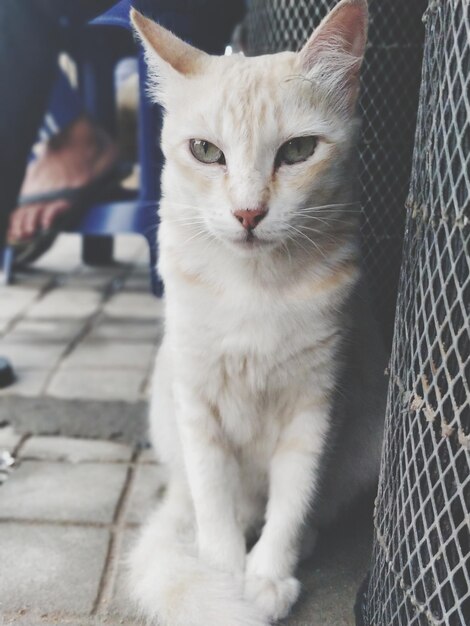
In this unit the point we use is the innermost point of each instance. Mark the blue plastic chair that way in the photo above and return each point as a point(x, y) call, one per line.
point(97, 48)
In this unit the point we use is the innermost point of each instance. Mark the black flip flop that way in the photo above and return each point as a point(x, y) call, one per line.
point(27, 251)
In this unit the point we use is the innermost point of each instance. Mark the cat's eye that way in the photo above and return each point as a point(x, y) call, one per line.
point(296, 150)
point(206, 152)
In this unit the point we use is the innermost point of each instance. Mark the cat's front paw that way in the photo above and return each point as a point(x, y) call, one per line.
point(274, 597)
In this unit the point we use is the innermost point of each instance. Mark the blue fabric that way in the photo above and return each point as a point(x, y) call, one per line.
point(65, 104)
point(118, 15)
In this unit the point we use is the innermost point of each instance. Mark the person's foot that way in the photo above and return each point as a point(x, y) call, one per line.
point(72, 159)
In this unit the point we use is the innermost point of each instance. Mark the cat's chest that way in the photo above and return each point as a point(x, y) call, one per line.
point(254, 366)
point(252, 342)
point(248, 341)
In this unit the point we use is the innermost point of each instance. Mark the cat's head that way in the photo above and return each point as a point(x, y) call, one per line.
point(255, 145)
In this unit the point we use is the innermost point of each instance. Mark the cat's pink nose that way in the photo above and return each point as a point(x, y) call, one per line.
point(250, 218)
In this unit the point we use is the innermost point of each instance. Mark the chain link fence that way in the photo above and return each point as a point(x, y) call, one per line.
point(421, 562)
point(388, 105)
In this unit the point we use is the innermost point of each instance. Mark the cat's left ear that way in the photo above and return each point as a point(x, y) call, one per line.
point(168, 57)
point(335, 50)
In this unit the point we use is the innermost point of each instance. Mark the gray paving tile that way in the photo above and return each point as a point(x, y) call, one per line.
point(127, 330)
point(92, 278)
point(110, 354)
point(147, 456)
point(9, 438)
point(136, 305)
point(29, 383)
point(86, 492)
point(49, 568)
point(41, 331)
point(33, 618)
point(15, 300)
point(26, 355)
point(333, 575)
point(146, 490)
point(120, 602)
point(74, 450)
point(138, 282)
point(139, 268)
point(105, 384)
point(147, 393)
point(32, 277)
point(66, 304)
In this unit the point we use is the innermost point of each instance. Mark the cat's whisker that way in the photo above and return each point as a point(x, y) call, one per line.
point(324, 219)
point(211, 241)
point(330, 236)
point(330, 206)
point(151, 230)
point(326, 210)
point(183, 218)
point(296, 242)
point(310, 240)
point(200, 233)
point(284, 245)
point(315, 218)
point(316, 246)
point(314, 230)
point(187, 222)
point(182, 204)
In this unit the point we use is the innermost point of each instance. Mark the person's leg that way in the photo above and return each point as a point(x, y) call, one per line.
point(29, 44)
point(64, 106)
point(30, 40)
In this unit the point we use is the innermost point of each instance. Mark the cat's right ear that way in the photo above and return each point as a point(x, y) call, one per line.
point(334, 53)
point(168, 57)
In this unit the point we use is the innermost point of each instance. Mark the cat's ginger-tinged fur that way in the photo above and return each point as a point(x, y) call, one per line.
point(268, 394)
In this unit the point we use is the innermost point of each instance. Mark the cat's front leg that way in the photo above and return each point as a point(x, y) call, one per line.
point(213, 477)
point(294, 469)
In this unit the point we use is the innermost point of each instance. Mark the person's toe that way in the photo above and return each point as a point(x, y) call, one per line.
point(31, 220)
point(18, 223)
point(14, 226)
point(52, 211)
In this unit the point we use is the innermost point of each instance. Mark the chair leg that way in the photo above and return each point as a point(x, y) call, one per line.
point(156, 283)
point(6, 276)
point(97, 250)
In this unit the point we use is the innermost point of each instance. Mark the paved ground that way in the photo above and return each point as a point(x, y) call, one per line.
point(82, 341)
point(68, 512)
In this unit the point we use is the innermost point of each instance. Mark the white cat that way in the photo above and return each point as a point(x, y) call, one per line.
point(268, 396)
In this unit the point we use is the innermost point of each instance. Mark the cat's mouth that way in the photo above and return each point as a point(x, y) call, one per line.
point(250, 242)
